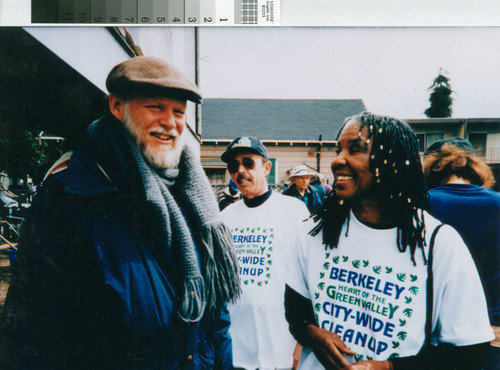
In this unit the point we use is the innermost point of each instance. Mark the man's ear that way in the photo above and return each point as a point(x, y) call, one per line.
point(267, 166)
point(116, 106)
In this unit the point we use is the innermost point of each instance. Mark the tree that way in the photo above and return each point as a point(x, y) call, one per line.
point(21, 154)
point(440, 97)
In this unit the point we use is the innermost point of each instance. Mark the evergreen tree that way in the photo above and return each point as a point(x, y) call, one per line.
point(440, 97)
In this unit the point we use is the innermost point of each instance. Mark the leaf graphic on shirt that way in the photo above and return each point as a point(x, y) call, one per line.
point(402, 322)
point(366, 263)
point(268, 255)
point(413, 290)
point(345, 258)
point(336, 259)
point(408, 300)
point(327, 255)
point(388, 270)
point(271, 236)
point(401, 277)
point(258, 229)
point(413, 277)
point(248, 228)
point(265, 281)
point(252, 280)
point(359, 357)
point(321, 275)
point(394, 355)
point(268, 276)
point(264, 230)
point(270, 242)
point(326, 265)
point(368, 358)
point(259, 283)
point(245, 282)
point(270, 249)
point(356, 263)
point(316, 295)
point(253, 231)
point(267, 268)
point(402, 335)
point(395, 344)
point(321, 285)
point(377, 269)
point(317, 307)
point(408, 312)
point(269, 262)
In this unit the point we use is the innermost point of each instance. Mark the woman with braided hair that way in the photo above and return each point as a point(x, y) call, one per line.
point(363, 290)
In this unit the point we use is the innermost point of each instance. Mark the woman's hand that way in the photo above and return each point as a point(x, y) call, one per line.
point(370, 365)
point(328, 348)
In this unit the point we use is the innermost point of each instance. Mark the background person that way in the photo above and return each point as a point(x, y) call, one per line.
point(300, 176)
point(459, 183)
point(264, 225)
point(356, 288)
point(124, 262)
point(316, 183)
point(228, 195)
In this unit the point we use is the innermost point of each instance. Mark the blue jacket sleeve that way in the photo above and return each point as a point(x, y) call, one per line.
point(223, 349)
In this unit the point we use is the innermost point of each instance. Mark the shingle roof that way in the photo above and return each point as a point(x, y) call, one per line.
point(276, 119)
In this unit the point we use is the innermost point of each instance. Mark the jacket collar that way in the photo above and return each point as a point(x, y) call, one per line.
point(85, 176)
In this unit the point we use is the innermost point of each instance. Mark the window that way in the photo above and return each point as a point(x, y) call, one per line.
point(426, 140)
point(478, 141)
point(421, 142)
point(432, 138)
point(271, 179)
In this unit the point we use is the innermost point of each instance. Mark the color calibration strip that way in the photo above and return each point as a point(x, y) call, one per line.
point(196, 12)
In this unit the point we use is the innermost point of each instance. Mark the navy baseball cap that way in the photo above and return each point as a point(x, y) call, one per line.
point(244, 144)
point(459, 142)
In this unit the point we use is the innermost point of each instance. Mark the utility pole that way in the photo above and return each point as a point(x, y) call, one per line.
point(318, 153)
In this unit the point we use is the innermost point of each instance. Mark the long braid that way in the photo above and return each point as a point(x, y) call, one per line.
point(398, 182)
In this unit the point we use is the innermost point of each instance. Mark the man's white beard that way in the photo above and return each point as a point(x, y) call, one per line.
point(168, 156)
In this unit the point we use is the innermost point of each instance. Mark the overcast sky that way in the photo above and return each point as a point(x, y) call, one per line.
point(390, 69)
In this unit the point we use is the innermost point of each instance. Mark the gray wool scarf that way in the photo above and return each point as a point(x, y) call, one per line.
point(188, 214)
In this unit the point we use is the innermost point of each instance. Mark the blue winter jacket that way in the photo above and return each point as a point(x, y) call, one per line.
point(92, 290)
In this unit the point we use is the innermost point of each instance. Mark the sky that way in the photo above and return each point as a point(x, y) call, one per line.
point(390, 69)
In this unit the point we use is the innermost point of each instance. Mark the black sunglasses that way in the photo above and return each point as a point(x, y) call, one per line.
point(234, 165)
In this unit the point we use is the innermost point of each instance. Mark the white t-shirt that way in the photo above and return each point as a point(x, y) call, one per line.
point(262, 236)
point(374, 298)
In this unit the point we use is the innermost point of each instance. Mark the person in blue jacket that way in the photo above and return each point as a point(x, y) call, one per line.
point(124, 262)
point(460, 195)
point(301, 188)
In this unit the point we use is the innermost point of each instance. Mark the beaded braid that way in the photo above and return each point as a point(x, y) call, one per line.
point(398, 182)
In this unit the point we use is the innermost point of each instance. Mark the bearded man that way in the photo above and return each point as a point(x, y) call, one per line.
point(124, 262)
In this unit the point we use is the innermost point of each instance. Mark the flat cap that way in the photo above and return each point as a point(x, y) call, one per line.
point(150, 76)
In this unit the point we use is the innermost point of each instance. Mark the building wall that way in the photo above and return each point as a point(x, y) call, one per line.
point(286, 157)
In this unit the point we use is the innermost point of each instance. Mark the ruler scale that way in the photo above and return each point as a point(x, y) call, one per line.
point(191, 11)
point(172, 12)
point(145, 12)
point(160, 11)
point(113, 11)
point(97, 11)
point(207, 11)
point(176, 11)
point(82, 11)
point(66, 11)
point(129, 11)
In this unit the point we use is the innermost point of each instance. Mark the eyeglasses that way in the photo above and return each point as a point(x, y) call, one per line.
point(234, 166)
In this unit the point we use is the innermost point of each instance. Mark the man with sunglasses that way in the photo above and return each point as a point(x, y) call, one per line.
point(264, 224)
